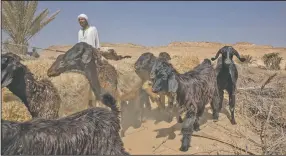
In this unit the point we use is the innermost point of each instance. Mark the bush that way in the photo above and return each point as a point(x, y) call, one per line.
point(184, 63)
point(272, 61)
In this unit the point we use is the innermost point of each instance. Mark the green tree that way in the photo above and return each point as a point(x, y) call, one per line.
point(21, 24)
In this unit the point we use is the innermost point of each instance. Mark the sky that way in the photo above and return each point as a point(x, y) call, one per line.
point(159, 23)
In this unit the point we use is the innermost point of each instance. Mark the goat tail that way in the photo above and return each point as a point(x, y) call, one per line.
point(109, 101)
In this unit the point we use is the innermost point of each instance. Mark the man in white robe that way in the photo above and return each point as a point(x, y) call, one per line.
point(87, 33)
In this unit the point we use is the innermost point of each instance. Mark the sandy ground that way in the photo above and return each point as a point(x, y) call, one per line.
point(163, 137)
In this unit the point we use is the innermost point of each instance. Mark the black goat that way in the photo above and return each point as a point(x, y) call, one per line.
point(194, 90)
point(94, 131)
point(40, 97)
point(143, 67)
point(227, 75)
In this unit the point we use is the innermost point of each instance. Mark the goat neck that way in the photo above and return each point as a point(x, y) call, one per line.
point(91, 72)
point(22, 83)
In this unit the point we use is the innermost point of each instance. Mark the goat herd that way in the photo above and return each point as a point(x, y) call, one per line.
point(96, 130)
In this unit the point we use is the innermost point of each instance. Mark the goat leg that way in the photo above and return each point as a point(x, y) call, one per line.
point(172, 100)
point(187, 130)
point(197, 125)
point(216, 104)
point(178, 114)
point(123, 117)
point(199, 114)
point(232, 107)
point(162, 102)
point(138, 112)
point(90, 97)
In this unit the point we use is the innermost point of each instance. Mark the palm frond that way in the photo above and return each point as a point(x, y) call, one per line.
point(40, 22)
point(31, 8)
point(9, 20)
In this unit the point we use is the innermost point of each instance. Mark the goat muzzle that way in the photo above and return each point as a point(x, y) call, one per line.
point(155, 90)
point(52, 73)
point(227, 61)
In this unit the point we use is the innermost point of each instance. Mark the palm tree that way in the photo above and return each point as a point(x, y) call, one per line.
point(21, 24)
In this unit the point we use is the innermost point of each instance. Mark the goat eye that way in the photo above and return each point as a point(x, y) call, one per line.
point(4, 60)
point(62, 63)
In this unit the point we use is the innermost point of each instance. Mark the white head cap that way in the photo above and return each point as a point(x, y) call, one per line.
point(83, 16)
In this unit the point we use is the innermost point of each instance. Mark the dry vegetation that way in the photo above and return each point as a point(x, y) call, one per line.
point(263, 104)
point(272, 61)
point(184, 63)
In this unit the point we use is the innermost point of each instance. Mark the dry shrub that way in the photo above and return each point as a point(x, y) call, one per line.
point(12, 108)
point(184, 63)
point(255, 105)
point(125, 65)
point(272, 61)
point(249, 60)
point(39, 67)
point(72, 87)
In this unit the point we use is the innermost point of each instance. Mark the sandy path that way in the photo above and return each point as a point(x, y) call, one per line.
point(164, 138)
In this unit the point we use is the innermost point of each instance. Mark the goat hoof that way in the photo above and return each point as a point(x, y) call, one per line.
point(215, 120)
point(169, 119)
point(137, 124)
point(197, 129)
point(180, 120)
point(170, 107)
point(233, 122)
point(184, 148)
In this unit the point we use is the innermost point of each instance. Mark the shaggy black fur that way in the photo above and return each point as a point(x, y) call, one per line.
point(227, 75)
point(94, 131)
point(143, 67)
point(40, 97)
point(194, 90)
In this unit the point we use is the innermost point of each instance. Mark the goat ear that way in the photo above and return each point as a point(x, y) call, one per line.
point(235, 52)
point(217, 55)
point(86, 56)
point(172, 84)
